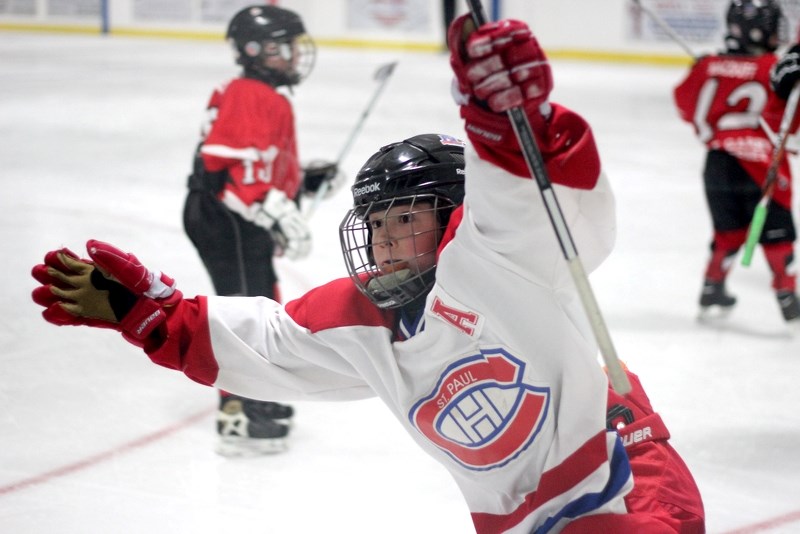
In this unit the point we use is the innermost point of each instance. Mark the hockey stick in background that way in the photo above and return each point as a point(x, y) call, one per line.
point(381, 75)
point(760, 214)
point(667, 29)
point(533, 158)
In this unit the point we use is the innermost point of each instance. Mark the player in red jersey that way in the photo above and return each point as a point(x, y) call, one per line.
point(242, 205)
point(459, 313)
point(725, 97)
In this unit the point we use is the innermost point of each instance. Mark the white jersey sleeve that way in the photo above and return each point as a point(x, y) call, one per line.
point(274, 357)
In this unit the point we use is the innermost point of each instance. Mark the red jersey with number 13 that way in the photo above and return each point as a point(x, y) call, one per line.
point(252, 135)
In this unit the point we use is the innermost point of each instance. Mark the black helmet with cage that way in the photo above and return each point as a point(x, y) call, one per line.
point(271, 44)
point(754, 26)
point(424, 172)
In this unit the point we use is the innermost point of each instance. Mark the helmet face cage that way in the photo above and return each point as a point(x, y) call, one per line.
point(425, 175)
point(396, 283)
point(271, 44)
point(754, 26)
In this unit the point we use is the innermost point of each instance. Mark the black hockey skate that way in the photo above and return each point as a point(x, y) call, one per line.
point(790, 306)
point(249, 427)
point(715, 302)
point(714, 294)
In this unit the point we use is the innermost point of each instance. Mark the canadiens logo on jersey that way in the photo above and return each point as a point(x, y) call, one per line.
point(480, 412)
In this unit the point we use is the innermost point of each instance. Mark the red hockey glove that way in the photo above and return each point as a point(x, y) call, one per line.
point(112, 290)
point(500, 64)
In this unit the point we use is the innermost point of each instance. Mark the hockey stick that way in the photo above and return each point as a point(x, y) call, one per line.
point(760, 213)
point(381, 75)
point(667, 29)
point(533, 158)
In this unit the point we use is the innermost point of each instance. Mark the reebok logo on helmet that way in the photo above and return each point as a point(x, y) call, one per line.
point(367, 189)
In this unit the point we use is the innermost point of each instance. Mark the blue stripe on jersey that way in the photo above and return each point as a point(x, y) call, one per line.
point(410, 327)
point(619, 476)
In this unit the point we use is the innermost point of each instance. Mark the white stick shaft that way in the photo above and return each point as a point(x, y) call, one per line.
point(616, 374)
point(789, 112)
point(667, 29)
point(383, 74)
point(783, 135)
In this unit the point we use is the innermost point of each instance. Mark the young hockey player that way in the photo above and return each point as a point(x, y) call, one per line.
point(459, 313)
point(724, 96)
point(241, 208)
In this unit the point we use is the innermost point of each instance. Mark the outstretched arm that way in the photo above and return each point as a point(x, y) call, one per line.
point(248, 346)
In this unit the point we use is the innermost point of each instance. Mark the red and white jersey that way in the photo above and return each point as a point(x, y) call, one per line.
point(251, 134)
point(501, 384)
point(724, 96)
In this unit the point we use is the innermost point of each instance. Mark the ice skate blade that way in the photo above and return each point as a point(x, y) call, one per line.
point(794, 326)
point(238, 447)
point(711, 314)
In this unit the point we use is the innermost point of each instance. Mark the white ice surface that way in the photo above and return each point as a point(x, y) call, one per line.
point(96, 140)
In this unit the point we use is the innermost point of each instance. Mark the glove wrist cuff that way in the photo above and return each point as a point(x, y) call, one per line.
point(145, 316)
point(486, 127)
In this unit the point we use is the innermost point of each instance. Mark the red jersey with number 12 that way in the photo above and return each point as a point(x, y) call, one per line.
point(724, 96)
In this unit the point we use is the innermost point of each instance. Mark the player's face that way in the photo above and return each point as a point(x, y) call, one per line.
point(405, 237)
point(282, 56)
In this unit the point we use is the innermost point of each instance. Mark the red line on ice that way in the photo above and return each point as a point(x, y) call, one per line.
point(769, 524)
point(101, 457)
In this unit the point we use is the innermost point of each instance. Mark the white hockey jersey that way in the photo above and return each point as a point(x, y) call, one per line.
point(501, 384)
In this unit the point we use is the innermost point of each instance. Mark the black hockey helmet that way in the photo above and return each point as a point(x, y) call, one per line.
point(754, 26)
point(426, 170)
point(271, 44)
